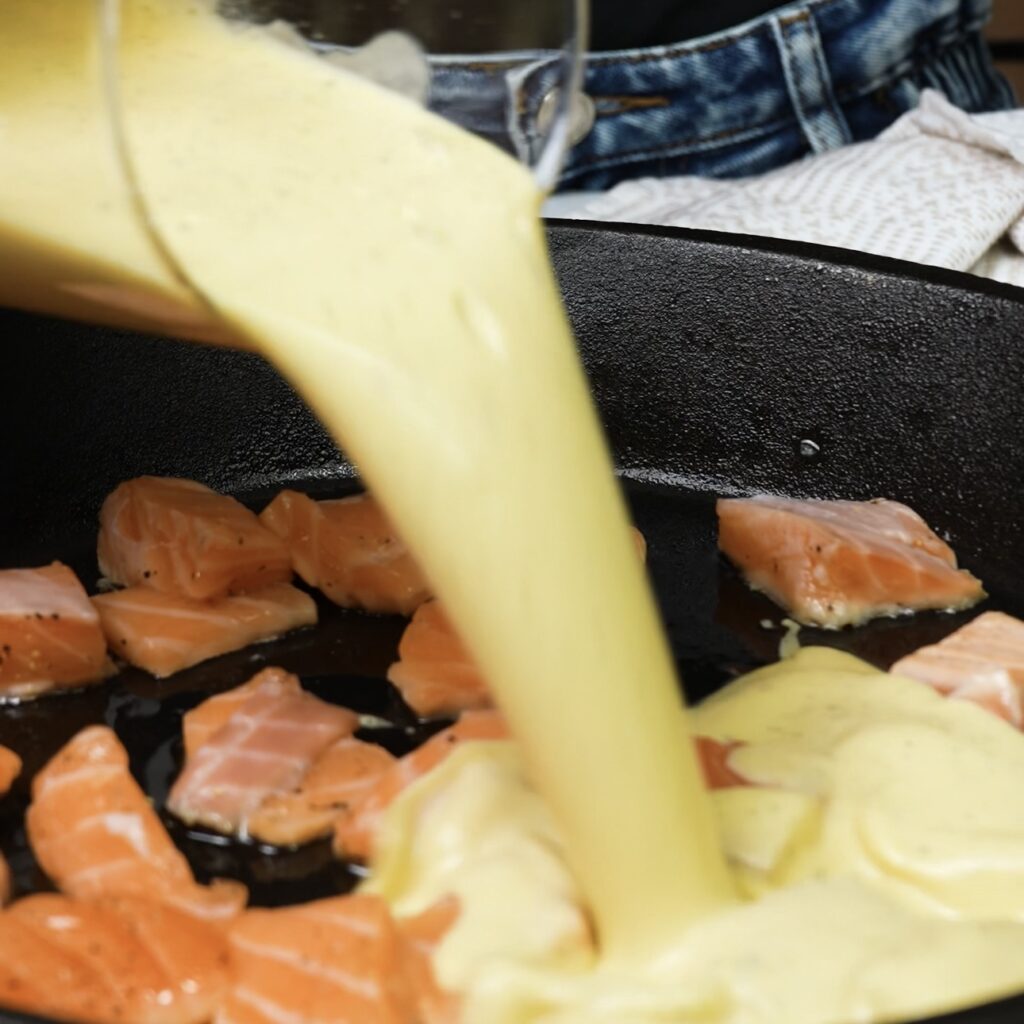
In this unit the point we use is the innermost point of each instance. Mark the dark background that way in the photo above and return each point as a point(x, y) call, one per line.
point(473, 26)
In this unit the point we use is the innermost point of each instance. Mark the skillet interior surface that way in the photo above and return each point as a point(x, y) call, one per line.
point(719, 365)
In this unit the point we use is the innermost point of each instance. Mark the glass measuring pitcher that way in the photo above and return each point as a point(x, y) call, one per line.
point(75, 239)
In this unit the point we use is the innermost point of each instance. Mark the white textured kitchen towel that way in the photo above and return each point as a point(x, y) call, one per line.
point(939, 186)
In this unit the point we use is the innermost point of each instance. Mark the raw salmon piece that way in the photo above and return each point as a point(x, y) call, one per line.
point(10, 768)
point(181, 538)
point(288, 819)
point(265, 748)
point(333, 961)
point(356, 830)
point(139, 961)
point(421, 935)
point(344, 771)
point(337, 781)
point(347, 549)
point(39, 977)
point(982, 662)
point(714, 760)
point(50, 636)
point(435, 673)
point(96, 835)
point(199, 724)
point(164, 634)
point(640, 542)
point(838, 563)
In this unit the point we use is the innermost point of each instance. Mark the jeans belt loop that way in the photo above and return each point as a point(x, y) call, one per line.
point(808, 80)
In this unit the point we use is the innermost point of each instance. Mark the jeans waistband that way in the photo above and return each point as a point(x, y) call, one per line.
point(800, 64)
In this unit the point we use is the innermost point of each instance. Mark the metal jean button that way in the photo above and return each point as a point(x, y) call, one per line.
point(581, 114)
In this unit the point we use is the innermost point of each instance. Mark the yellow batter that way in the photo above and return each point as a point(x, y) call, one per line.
point(394, 268)
point(881, 851)
point(71, 240)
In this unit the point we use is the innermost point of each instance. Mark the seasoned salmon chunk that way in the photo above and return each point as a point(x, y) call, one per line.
point(50, 635)
point(348, 549)
point(271, 761)
point(10, 768)
point(265, 748)
point(163, 633)
point(181, 538)
point(840, 563)
point(6, 883)
point(203, 721)
point(118, 961)
point(337, 781)
point(982, 662)
point(96, 835)
point(343, 960)
point(435, 673)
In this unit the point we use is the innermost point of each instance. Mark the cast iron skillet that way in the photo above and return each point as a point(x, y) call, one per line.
point(721, 364)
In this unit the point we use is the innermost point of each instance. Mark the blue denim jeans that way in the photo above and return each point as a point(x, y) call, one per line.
point(803, 79)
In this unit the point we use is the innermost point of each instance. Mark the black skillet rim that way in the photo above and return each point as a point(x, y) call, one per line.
point(813, 252)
